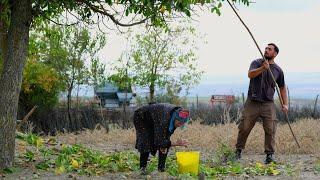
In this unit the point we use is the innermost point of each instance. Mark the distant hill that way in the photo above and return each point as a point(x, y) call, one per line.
point(301, 85)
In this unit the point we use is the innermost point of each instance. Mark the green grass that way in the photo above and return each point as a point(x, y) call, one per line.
point(317, 167)
point(85, 161)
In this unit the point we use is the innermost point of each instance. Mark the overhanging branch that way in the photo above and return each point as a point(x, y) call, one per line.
point(57, 23)
point(104, 12)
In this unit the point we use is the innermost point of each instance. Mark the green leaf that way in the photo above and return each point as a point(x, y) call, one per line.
point(218, 12)
point(188, 13)
point(43, 165)
point(10, 170)
point(29, 155)
point(20, 136)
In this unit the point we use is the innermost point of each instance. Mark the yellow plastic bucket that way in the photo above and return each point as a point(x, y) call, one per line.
point(188, 162)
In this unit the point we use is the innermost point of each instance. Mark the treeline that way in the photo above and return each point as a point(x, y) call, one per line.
point(63, 58)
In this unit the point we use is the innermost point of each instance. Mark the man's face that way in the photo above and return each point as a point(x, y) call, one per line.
point(269, 52)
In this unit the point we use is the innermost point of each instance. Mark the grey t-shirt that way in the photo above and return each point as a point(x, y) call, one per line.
point(262, 87)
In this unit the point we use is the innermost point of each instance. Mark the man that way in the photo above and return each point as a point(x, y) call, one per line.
point(260, 101)
point(154, 124)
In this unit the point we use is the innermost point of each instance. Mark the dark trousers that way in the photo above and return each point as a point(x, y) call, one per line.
point(161, 163)
point(252, 111)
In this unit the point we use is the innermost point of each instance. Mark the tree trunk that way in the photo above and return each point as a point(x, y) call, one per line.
point(124, 116)
point(151, 88)
point(3, 41)
point(11, 77)
point(69, 106)
point(78, 106)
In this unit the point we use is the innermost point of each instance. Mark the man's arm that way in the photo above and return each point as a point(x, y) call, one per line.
point(256, 72)
point(284, 96)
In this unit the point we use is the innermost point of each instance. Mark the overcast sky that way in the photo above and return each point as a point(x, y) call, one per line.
point(292, 24)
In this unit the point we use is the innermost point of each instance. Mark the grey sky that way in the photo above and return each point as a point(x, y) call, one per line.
point(295, 32)
point(292, 24)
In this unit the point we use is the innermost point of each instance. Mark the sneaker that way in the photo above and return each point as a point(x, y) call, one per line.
point(143, 171)
point(269, 159)
point(238, 154)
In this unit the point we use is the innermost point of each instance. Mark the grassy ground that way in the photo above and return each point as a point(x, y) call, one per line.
point(111, 155)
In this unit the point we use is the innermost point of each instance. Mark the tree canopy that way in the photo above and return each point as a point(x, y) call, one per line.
point(160, 60)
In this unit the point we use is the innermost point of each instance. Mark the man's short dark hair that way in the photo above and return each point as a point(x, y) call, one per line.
point(275, 47)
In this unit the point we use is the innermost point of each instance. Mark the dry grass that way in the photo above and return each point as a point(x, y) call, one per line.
point(207, 138)
point(115, 140)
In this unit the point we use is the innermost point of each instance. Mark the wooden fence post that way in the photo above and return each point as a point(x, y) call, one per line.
point(315, 107)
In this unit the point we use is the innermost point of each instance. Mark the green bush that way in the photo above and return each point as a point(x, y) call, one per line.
point(40, 86)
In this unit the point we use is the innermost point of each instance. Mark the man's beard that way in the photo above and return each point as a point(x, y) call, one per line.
point(267, 57)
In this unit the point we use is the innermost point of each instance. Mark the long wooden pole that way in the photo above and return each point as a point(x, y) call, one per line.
point(274, 80)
